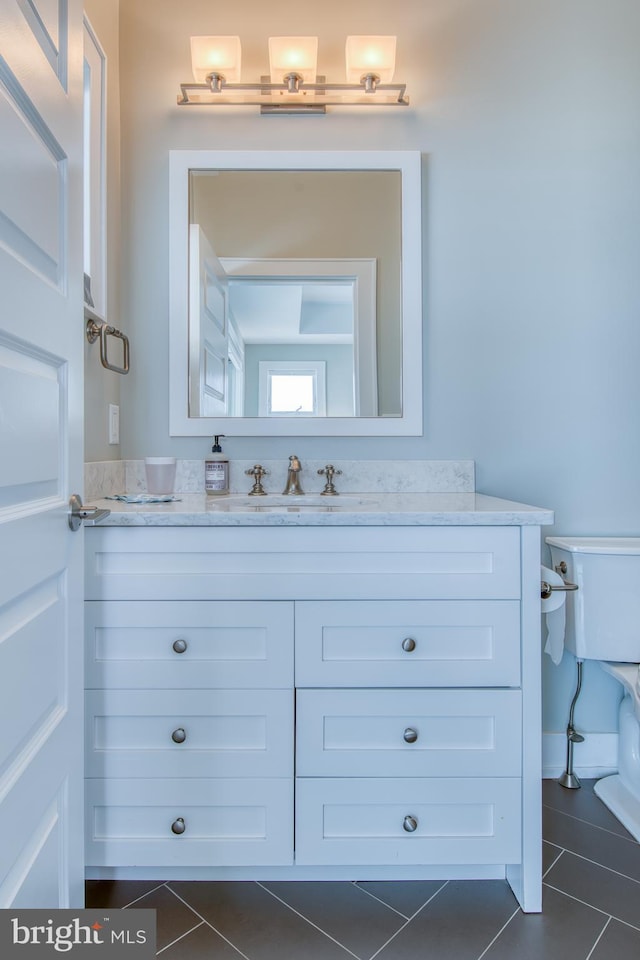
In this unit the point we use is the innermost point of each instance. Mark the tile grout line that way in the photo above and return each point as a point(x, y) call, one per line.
point(210, 925)
point(626, 923)
point(226, 940)
point(306, 919)
point(394, 935)
point(405, 925)
point(435, 894)
point(552, 865)
point(143, 895)
point(591, 905)
point(502, 928)
point(598, 938)
point(590, 823)
point(356, 883)
point(596, 863)
point(181, 937)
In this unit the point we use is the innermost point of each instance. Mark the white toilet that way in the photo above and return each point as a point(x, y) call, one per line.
point(603, 623)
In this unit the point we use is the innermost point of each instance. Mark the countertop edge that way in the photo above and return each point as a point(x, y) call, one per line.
point(457, 509)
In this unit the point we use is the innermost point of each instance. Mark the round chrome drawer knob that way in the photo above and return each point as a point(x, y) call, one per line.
point(410, 824)
point(179, 646)
point(408, 644)
point(179, 735)
point(410, 735)
point(178, 826)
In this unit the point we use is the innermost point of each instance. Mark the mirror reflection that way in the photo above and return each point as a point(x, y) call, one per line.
point(295, 300)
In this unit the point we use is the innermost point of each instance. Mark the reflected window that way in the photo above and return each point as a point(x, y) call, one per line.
point(289, 389)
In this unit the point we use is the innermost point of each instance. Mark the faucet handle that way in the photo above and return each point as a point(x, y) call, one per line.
point(257, 471)
point(329, 472)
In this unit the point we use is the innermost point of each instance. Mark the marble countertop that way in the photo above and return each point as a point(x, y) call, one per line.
point(366, 509)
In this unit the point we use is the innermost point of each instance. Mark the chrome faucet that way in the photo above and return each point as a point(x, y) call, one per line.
point(293, 479)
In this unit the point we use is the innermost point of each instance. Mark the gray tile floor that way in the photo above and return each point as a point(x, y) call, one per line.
point(591, 906)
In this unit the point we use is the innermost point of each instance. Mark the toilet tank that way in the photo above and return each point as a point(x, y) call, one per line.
point(603, 615)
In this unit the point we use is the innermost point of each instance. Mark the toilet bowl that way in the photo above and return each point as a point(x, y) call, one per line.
point(603, 623)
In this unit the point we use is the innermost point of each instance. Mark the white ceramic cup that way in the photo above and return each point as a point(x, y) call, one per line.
point(160, 473)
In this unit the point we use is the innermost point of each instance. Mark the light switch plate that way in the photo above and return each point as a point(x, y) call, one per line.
point(114, 423)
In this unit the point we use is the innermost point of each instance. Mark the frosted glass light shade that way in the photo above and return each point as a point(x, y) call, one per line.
point(293, 55)
point(370, 55)
point(216, 55)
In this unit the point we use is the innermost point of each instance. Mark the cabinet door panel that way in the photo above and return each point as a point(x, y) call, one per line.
point(222, 822)
point(412, 821)
point(410, 733)
point(303, 562)
point(198, 733)
point(144, 644)
point(420, 643)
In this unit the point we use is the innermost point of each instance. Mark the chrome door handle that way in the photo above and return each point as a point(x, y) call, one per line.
point(78, 514)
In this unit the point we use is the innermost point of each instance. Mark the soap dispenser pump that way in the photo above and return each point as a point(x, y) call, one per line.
point(216, 471)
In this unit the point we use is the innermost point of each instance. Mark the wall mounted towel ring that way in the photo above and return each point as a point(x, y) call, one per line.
point(98, 329)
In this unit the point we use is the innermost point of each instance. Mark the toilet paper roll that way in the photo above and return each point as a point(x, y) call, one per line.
point(554, 610)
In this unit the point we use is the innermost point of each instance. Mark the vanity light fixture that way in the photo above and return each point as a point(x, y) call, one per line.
point(292, 85)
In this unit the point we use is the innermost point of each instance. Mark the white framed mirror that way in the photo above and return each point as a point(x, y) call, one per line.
point(295, 262)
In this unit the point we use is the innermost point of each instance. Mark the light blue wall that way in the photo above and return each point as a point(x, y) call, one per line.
point(526, 112)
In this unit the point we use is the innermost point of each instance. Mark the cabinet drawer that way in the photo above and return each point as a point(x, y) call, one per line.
point(198, 733)
point(303, 563)
point(226, 822)
point(408, 733)
point(142, 644)
point(419, 643)
point(454, 821)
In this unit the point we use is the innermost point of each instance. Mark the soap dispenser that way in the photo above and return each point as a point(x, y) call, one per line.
point(216, 471)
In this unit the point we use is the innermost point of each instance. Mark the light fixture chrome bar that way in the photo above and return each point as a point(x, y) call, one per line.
point(292, 109)
point(292, 93)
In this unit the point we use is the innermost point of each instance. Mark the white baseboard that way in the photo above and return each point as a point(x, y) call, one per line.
point(596, 757)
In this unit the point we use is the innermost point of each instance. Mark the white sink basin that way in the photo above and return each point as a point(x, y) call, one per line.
point(291, 502)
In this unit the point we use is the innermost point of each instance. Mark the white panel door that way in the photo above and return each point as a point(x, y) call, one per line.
point(41, 403)
point(208, 328)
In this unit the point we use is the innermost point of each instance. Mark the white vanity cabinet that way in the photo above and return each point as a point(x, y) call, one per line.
point(413, 654)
